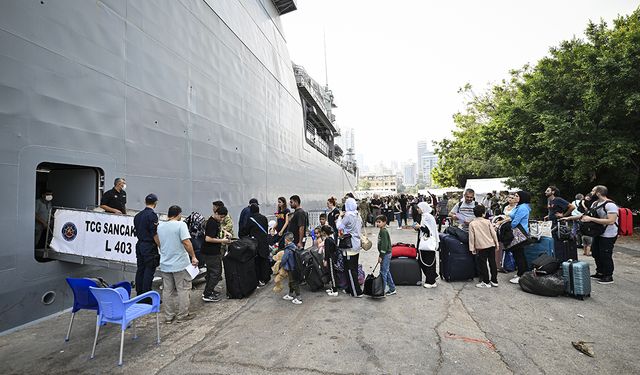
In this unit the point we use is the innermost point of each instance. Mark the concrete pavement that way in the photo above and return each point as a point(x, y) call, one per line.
point(452, 329)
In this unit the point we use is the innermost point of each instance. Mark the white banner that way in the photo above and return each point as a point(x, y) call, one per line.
point(94, 234)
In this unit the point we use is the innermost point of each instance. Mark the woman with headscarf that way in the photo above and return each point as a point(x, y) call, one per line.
point(427, 258)
point(349, 228)
point(520, 216)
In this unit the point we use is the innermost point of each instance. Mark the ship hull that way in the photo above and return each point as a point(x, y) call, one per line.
point(193, 100)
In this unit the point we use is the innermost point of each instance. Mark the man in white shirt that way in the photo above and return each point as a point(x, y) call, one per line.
point(462, 212)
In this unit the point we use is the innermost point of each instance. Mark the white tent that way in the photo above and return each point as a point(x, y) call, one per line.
point(440, 191)
point(482, 186)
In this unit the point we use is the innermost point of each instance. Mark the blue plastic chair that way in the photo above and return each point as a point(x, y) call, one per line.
point(116, 307)
point(83, 299)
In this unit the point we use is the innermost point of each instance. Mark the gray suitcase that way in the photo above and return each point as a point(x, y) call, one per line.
point(577, 282)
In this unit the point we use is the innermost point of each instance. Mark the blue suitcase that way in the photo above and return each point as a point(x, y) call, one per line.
point(577, 282)
point(534, 250)
point(456, 262)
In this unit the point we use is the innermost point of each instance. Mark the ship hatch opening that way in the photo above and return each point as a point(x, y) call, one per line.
point(72, 186)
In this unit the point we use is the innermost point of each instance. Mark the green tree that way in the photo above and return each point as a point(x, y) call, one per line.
point(572, 120)
point(364, 185)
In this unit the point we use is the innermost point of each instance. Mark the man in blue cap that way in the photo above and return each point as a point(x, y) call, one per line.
point(146, 224)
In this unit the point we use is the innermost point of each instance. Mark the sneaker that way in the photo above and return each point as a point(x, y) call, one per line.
point(212, 298)
point(287, 297)
point(597, 276)
point(186, 318)
point(328, 291)
point(429, 286)
point(169, 321)
point(605, 280)
point(483, 285)
point(360, 295)
point(332, 294)
point(296, 301)
point(515, 280)
point(261, 283)
point(391, 292)
point(495, 285)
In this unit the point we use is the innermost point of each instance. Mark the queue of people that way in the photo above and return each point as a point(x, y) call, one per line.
point(170, 244)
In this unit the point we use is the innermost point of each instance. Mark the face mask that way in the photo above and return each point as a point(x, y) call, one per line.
point(124, 187)
point(48, 198)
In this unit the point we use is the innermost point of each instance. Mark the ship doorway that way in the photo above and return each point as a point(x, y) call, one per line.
point(72, 186)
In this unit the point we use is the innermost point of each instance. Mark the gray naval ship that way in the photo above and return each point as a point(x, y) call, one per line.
point(194, 100)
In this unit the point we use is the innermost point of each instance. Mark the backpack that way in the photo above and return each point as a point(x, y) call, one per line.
point(590, 228)
point(625, 222)
point(545, 264)
point(505, 233)
point(195, 222)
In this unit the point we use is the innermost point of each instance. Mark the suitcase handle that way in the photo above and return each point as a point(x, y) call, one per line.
point(572, 287)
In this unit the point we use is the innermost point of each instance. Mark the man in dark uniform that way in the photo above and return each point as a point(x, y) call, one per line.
point(115, 200)
point(146, 224)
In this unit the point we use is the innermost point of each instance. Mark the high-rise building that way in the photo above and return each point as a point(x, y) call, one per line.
point(429, 161)
point(409, 174)
point(422, 151)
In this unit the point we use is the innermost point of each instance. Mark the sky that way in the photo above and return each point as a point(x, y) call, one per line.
point(395, 67)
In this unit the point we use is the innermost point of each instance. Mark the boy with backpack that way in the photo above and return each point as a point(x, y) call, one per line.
point(483, 241)
point(288, 262)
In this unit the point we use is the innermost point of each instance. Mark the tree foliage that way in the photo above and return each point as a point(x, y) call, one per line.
point(572, 120)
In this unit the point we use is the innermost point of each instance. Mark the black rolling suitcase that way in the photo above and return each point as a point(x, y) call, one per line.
point(456, 262)
point(565, 250)
point(240, 268)
point(240, 277)
point(405, 271)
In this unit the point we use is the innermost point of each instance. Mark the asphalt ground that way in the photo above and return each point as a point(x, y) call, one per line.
point(455, 328)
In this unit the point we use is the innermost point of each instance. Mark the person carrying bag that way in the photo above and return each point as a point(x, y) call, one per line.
point(349, 226)
point(428, 243)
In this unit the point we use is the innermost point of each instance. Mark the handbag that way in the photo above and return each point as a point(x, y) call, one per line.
point(374, 285)
point(365, 242)
point(427, 241)
point(519, 236)
point(345, 242)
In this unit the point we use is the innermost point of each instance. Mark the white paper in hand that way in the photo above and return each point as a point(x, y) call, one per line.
point(193, 271)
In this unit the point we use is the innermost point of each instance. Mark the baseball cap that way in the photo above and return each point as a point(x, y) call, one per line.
point(253, 201)
point(151, 198)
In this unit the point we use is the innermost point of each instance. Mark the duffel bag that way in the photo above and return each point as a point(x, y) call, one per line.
point(374, 285)
point(545, 264)
point(542, 285)
point(403, 250)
